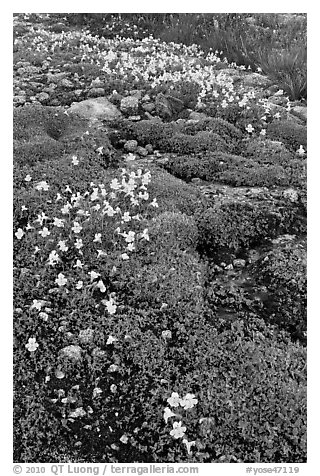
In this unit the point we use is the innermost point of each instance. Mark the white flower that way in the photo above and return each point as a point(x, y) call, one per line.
point(167, 334)
point(37, 304)
point(249, 128)
point(58, 222)
point(101, 286)
point(96, 207)
point(43, 316)
point(178, 431)
point(62, 245)
point(113, 368)
point(68, 189)
point(115, 185)
point(29, 227)
point(113, 388)
point(110, 305)
point(78, 264)
point(75, 160)
point(93, 275)
point(65, 209)
point(301, 150)
point(154, 203)
point(124, 439)
point(76, 227)
point(96, 392)
point(144, 234)
point(79, 285)
point(53, 257)
point(124, 256)
point(79, 243)
point(42, 185)
point(126, 217)
point(99, 150)
point(101, 253)
point(189, 401)
point(97, 238)
point(28, 178)
point(32, 345)
point(168, 414)
point(44, 232)
point(41, 218)
point(79, 412)
point(129, 236)
point(24, 208)
point(19, 234)
point(174, 400)
point(130, 247)
point(61, 280)
point(188, 444)
point(59, 197)
point(111, 340)
point(263, 132)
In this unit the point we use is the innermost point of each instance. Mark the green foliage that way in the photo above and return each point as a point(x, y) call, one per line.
point(260, 170)
point(288, 69)
point(238, 225)
point(291, 134)
point(200, 142)
point(268, 152)
point(284, 273)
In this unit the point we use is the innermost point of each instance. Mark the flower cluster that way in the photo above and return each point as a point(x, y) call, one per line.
point(187, 403)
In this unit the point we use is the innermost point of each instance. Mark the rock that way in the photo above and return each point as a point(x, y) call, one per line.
point(134, 118)
point(176, 104)
point(95, 92)
point(66, 83)
point(131, 145)
point(239, 263)
point(136, 93)
point(72, 352)
point(19, 99)
point(43, 97)
point(163, 107)
point(148, 106)
point(301, 111)
point(255, 80)
point(96, 109)
point(196, 180)
point(291, 195)
point(56, 77)
point(129, 104)
point(162, 161)
point(149, 148)
point(197, 116)
point(142, 151)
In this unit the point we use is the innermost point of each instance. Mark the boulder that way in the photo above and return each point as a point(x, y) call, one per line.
point(96, 109)
point(129, 104)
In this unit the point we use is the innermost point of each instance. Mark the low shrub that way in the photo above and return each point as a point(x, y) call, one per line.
point(235, 170)
point(284, 272)
point(200, 142)
point(30, 153)
point(172, 229)
point(144, 132)
point(238, 225)
point(291, 134)
point(173, 194)
point(268, 152)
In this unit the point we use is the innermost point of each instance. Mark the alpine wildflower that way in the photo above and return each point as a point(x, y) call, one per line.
point(44, 232)
point(168, 414)
point(178, 430)
point(188, 444)
point(249, 128)
point(75, 160)
point(32, 345)
point(61, 280)
point(174, 400)
point(19, 234)
point(189, 401)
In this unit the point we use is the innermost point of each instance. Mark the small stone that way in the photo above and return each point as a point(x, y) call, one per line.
point(149, 148)
point(148, 106)
point(131, 145)
point(239, 263)
point(96, 92)
point(42, 97)
point(129, 104)
point(142, 151)
point(196, 180)
point(66, 83)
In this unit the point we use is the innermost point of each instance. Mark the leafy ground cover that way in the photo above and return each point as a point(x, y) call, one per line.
point(159, 258)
